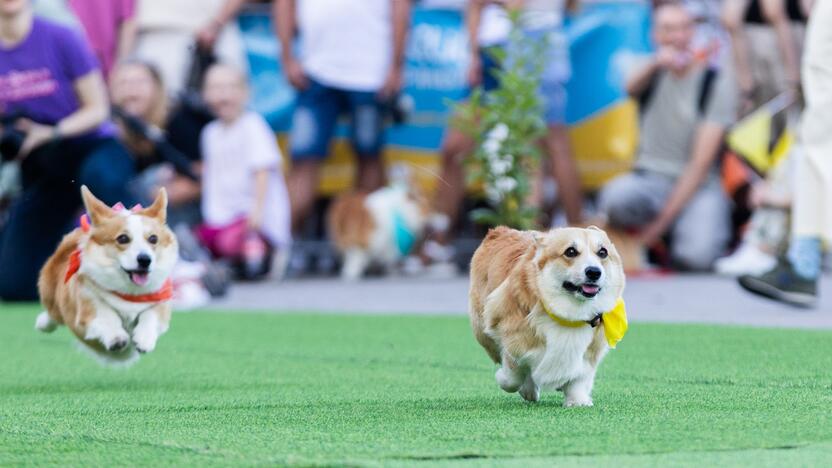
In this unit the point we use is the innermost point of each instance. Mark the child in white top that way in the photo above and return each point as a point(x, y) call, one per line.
point(243, 189)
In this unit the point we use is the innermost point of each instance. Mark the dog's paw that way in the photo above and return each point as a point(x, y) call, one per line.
point(529, 391)
point(144, 342)
point(117, 342)
point(145, 348)
point(577, 401)
point(507, 380)
point(45, 323)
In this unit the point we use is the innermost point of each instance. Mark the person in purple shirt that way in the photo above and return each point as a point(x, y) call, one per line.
point(51, 88)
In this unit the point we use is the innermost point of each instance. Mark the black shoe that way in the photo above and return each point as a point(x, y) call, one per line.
point(782, 284)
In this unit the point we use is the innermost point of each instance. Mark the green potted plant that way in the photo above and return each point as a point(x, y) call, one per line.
point(507, 125)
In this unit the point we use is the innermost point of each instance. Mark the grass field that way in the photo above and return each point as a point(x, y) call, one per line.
point(241, 389)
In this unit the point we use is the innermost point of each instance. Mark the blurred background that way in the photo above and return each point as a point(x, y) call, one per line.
point(302, 141)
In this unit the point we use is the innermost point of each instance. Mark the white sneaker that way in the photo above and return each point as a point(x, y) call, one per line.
point(746, 260)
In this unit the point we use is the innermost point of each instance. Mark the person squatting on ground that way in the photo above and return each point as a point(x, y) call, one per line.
point(52, 91)
point(488, 28)
point(674, 186)
point(244, 200)
point(350, 62)
point(795, 278)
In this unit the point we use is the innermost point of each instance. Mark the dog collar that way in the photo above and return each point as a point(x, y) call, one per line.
point(615, 321)
point(162, 295)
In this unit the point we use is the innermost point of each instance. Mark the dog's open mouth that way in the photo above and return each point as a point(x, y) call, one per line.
point(138, 277)
point(588, 290)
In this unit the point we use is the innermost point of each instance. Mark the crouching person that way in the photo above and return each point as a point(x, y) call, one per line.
point(674, 188)
point(245, 205)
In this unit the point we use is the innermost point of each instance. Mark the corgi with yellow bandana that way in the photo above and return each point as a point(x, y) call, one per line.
point(109, 280)
point(547, 307)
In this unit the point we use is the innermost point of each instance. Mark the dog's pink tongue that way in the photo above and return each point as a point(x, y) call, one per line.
point(590, 288)
point(139, 278)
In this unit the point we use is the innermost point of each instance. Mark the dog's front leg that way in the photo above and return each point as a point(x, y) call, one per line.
point(355, 264)
point(106, 327)
point(510, 375)
point(578, 392)
point(150, 326)
point(529, 390)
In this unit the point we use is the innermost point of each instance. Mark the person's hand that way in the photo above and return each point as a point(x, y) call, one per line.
point(295, 74)
point(37, 135)
point(758, 194)
point(510, 5)
point(392, 84)
point(652, 233)
point(207, 36)
point(474, 75)
point(254, 221)
point(672, 59)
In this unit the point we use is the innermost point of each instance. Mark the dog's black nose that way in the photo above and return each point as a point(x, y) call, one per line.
point(593, 273)
point(143, 260)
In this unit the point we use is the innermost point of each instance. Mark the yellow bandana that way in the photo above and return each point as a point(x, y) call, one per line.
point(615, 322)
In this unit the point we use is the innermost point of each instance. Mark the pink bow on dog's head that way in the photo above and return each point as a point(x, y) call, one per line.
point(118, 207)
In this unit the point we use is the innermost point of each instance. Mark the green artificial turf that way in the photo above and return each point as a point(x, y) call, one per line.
point(244, 388)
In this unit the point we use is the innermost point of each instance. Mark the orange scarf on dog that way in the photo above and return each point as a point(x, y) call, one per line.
point(162, 295)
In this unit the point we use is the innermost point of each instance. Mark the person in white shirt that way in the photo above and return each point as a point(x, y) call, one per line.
point(243, 190)
point(350, 62)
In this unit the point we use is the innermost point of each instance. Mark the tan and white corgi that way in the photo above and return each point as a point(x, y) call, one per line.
point(109, 280)
point(381, 227)
point(547, 307)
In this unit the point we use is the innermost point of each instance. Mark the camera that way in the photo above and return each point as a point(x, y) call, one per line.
point(398, 108)
point(11, 139)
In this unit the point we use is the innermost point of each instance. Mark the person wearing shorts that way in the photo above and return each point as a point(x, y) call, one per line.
point(488, 28)
point(544, 19)
point(350, 63)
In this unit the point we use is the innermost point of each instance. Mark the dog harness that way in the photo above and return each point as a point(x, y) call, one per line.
point(162, 295)
point(615, 322)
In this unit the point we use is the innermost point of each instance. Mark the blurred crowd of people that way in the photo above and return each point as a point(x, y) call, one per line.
point(128, 96)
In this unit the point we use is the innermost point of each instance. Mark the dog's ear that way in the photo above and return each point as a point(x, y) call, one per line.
point(537, 247)
point(159, 208)
point(96, 209)
point(594, 228)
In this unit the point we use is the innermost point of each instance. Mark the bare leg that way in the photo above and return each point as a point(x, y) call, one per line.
point(559, 150)
point(370, 174)
point(451, 190)
point(303, 184)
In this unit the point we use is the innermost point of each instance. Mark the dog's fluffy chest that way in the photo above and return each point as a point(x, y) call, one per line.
point(126, 310)
point(563, 358)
